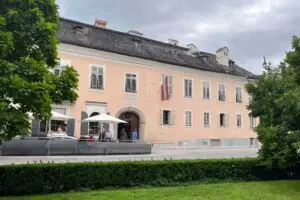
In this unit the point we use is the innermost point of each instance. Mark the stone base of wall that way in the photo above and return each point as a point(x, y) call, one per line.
point(210, 143)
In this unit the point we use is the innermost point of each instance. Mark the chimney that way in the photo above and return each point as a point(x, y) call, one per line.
point(173, 42)
point(100, 23)
point(222, 56)
point(133, 32)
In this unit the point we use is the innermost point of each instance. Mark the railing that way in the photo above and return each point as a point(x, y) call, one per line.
point(41, 146)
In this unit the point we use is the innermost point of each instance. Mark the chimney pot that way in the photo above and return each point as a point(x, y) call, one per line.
point(100, 23)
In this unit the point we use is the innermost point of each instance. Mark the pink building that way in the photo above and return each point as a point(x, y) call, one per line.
point(124, 74)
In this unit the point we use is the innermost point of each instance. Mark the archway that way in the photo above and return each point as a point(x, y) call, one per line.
point(135, 119)
point(133, 123)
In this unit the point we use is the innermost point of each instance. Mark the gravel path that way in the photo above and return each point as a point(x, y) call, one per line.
point(157, 154)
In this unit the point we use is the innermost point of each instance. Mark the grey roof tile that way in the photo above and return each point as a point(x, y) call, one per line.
point(89, 36)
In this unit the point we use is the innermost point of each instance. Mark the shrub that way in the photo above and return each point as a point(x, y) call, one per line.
point(48, 178)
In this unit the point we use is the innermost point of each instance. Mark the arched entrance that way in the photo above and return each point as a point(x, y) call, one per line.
point(135, 119)
point(133, 122)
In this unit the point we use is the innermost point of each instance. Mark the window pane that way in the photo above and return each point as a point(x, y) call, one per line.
point(93, 81)
point(100, 82)
point(166, 117)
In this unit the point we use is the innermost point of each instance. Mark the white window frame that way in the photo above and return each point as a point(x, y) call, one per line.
point(62, 65)
point(137, 82)
point(224, 92)
point(172, 117)
point(241, 94)
point(184, 117)
point(236, 120)
point(188, 97)
point(90, 74)
point(254, 121)
point(226, 120)
point(210, 94)
point(172, 85)
point(209, 119)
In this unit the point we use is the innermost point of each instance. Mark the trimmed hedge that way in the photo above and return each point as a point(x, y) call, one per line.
point(48, 178)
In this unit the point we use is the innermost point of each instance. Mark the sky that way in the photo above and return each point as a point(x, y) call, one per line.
point(251, 29)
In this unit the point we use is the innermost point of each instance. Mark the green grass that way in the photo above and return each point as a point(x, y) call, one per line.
point(273, 190)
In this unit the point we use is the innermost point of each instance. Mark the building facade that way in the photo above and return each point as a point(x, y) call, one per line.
point(170, 94)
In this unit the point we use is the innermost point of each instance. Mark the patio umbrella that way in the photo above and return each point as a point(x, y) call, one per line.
point(104, 118)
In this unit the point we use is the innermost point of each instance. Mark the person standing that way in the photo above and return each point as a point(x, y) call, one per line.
point(134, 135)
point(123, 134)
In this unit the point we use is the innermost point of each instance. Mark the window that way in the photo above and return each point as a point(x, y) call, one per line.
point(238, 95)
point(131, 83)
point(94, 127)
point(222, 119)
point(168, 80)
point(239, 120)
point(206, 119)
point(55, 124)
point(206, 90)
point(188, 88)
point(222, 96)
point(62, 65)
point(252, 122)
point(187, 118)
point(97, 77)
point(167, 117)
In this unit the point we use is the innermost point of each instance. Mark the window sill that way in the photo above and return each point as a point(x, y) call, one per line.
point(188, 126)
point(167, 125)
point(206, 99)
point(95, 90)
point(133, 93)
point(206, 126)
point(188, 97)
point(222, 101)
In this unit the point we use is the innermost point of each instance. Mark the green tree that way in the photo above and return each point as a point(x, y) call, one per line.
point(276, 101)
point(28, 53)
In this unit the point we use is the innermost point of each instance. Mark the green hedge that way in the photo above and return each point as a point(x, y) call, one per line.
point(48, 178)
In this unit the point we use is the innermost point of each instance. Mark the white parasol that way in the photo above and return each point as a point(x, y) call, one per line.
point(104, 118)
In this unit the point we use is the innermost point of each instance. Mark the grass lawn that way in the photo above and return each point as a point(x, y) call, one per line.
point(273, 190)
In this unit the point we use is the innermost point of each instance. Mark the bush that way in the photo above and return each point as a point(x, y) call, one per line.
point(48, 178)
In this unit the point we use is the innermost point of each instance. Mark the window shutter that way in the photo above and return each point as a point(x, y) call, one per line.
point(161, 117)
point(84, 125)
point(172, 117)
point(70, 127)
point(226, 120)
point(170, 85)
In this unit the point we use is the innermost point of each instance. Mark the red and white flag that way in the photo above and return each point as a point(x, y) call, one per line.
point(165, 89)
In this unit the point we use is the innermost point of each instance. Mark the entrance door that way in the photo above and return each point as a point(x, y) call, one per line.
point(133, 123)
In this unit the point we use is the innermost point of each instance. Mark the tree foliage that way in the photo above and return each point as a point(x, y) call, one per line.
point(276, 101)
point(28, 53)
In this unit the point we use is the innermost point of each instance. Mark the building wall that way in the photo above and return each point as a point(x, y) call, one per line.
point(147, 100)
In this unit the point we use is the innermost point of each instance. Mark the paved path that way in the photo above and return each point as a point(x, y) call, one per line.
point(157, 154)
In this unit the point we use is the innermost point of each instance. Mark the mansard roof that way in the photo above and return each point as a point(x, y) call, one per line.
point(89, 36)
